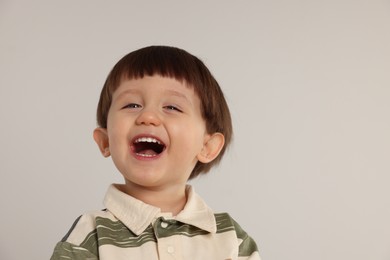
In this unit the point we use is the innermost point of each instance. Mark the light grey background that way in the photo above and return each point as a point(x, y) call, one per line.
point(307, 82)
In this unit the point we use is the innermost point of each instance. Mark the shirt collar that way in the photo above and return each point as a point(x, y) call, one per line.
point(137, 215)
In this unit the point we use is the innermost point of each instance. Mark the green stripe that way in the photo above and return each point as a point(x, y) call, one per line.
point(65, 250)
point(177, 228)
point(115, 233)
point(224, 222)
point(248, 245)
point(71, 229)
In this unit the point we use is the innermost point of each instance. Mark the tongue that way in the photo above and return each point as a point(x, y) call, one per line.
point(147, 152)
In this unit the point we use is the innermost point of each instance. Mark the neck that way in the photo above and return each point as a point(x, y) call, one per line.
point(171, 199)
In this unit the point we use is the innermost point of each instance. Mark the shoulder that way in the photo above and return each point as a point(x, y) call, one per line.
point(80, 241)
point(247, 246)
point(226, 223)
point(84, 225)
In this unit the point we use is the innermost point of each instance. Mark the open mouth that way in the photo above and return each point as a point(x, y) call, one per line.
point(147, 147)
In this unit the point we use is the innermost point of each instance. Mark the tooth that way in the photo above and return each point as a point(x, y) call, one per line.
point(147, 139)
point(145, 155)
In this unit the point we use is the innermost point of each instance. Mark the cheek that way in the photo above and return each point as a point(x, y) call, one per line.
point(117, 136)
point(191, 135)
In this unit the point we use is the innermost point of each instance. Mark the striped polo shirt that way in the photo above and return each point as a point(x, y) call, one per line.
point(131, 229)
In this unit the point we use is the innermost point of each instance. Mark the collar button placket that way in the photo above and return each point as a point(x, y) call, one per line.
point(165, 243)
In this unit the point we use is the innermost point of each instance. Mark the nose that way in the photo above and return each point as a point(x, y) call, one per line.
point(148, 117)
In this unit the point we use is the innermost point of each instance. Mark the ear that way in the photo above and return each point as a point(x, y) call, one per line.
point(212, 146)
point(101, 138)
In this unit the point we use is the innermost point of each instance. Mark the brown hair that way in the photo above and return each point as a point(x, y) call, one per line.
point(183, 66)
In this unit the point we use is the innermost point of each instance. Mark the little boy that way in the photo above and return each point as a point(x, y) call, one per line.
point(163, 119)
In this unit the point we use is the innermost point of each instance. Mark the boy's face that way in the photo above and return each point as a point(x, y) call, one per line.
point(155, 132)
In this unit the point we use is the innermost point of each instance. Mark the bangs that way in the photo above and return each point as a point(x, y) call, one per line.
point(167, 62)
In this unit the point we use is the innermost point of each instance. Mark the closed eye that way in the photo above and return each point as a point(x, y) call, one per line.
point(132, 106)
point(170, 107)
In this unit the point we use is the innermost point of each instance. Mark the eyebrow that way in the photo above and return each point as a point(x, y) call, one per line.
point(126, 92)
point(169, 92)
point(179, 94)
